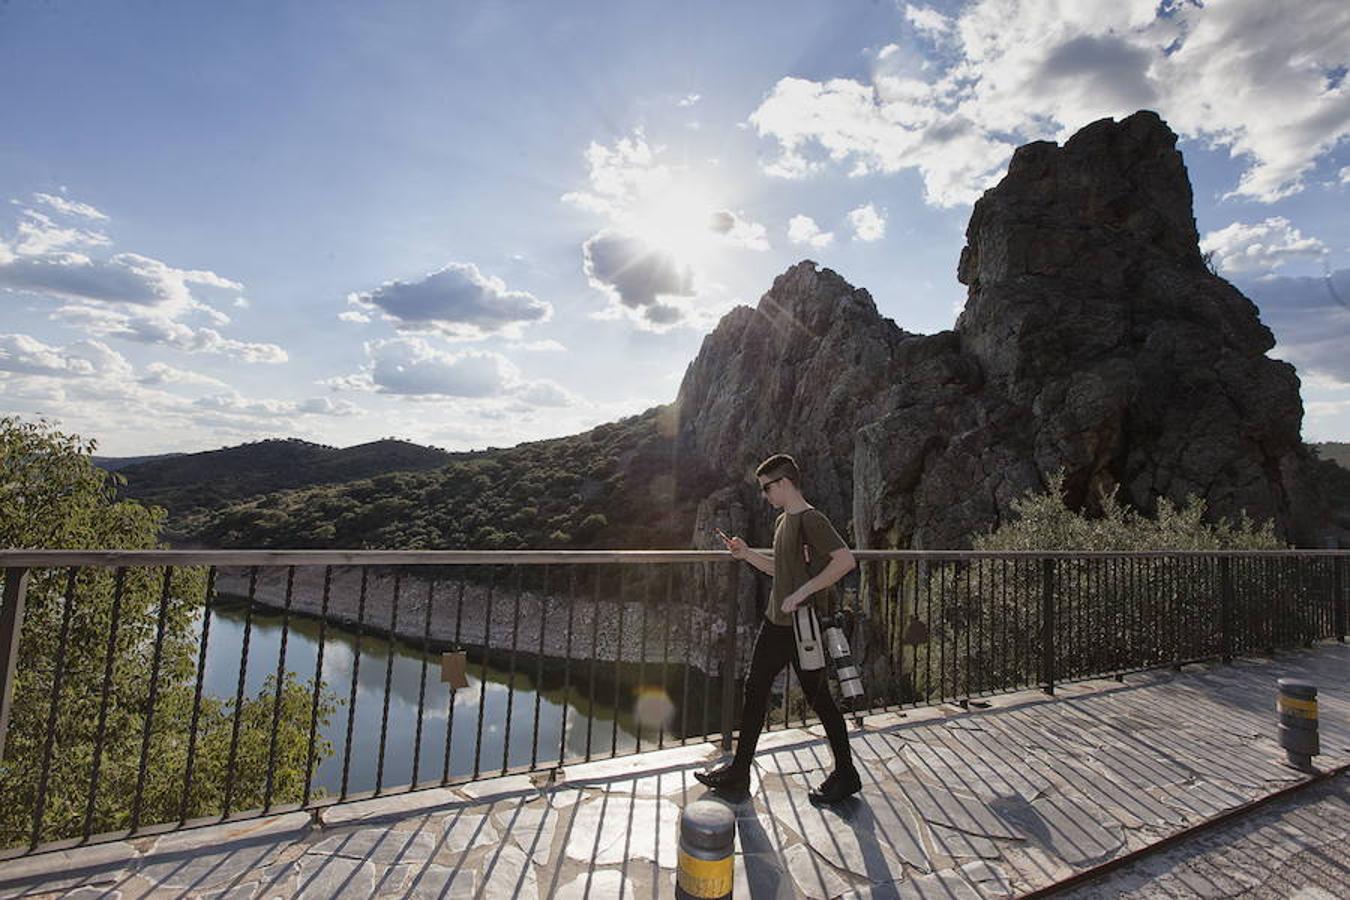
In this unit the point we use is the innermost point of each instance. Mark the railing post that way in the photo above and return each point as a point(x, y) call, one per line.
point(1338, 590)
point(1048, 623)
point(11, 624)
point(1226, 609)
point(729, 663)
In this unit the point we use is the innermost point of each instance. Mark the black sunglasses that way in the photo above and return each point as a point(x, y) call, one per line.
point(768, 484)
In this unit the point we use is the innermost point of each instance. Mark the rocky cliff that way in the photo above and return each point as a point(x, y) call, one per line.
point(1093, 340)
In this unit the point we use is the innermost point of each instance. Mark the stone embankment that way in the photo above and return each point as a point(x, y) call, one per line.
point(621, 620)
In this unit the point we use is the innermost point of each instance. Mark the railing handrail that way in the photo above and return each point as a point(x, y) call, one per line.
point(44, 558)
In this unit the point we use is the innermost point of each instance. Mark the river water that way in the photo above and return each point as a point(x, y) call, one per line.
point(411, 674)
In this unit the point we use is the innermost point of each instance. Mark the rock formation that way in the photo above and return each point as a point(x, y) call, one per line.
point(1094, 339)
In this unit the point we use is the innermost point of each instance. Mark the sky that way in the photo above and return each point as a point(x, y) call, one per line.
point(472, 224)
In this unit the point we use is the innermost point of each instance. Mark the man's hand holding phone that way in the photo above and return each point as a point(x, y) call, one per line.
point(734, 544)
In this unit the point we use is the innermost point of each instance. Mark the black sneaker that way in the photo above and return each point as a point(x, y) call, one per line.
point(729, 778)
point(838, 786)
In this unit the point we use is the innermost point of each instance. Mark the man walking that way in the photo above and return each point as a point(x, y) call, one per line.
point(809, 556)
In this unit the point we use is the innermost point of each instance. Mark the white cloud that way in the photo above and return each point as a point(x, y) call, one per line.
point(643, 282)
point(548, 346)
point(232, 403)
point(149, 328)
point(242, 303)
point(688, 100)
point(126, 295)
point(545, 393)
point(38, 235)
point(739, 231)
point(621, 176)
point(456, 301)
point(158, 373)
point(664, 226)
point(354, 315)
point(70, 207)
point(1242, 247)
point(26, 355)
point(927, 20)
point(1310, 318)
point(1345, 175)
point(868, 224)
point(1242, 75)
point(804, 230)
point(412, 368)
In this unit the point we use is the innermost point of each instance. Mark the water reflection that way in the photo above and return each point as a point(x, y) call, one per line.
point(411, 674)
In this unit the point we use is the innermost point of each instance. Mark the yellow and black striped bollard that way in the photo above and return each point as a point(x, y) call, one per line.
point(1297, 706)
point(707, 842)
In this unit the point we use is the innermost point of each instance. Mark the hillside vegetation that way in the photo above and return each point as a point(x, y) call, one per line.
point(189, 483)
point(611, 487)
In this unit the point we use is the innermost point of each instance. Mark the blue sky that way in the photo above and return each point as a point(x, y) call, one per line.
point(471, 224)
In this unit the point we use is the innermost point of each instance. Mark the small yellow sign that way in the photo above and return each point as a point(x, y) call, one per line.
point(454, 669)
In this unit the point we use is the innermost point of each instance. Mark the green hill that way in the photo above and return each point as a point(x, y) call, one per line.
point(192, 482)
point(117, 463)
point(611, 487)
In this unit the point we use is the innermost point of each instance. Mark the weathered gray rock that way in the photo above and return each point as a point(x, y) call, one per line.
point(1094, 340)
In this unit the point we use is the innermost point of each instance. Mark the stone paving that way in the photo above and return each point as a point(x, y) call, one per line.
point(991, 802)
point(1298, 847)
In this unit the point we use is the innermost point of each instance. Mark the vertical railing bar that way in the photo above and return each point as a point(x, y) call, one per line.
point(878, 584)
point(58, 677)
point(11, 631)
point(982, 638)
point(539, 666)
point(642, 655)
point(388, 681)
point(925, 571)
point(119, 581)
point(185, 802)
point(665, 649)
point(730, 658)
point(567, 662)
point(151, 699)
point(483, 672)
point(688, 664)
point(230, 773)
point(969, 628)
point(998, 602)
point(422, 681)
point(450, 703)
point(310, 755)
point(1341, 610)
point(595, 653)
point(511, 671)
point(281, 680)
point(618, 662)
point(1048, 624)
point(356, 674)
point(707, 657)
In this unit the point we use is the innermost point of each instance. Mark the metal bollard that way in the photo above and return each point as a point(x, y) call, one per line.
point(707, 838)
point(1297, 705)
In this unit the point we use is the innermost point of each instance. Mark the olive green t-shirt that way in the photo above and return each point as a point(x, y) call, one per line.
point(795, 536)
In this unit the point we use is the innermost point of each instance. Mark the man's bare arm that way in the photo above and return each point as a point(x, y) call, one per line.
point(840, 564)
point(739, 550)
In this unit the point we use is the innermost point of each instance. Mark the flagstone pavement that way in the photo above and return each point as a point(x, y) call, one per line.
point(956, 803)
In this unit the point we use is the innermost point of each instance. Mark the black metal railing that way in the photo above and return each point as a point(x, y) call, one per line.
point(147, 691)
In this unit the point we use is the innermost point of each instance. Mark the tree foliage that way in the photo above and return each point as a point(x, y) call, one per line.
point(984, 617)
point(612, 487)
point(114, 639)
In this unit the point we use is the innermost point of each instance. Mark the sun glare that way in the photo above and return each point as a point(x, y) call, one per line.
point(680, 218)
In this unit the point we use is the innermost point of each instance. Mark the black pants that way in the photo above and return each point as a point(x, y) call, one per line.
point(775, 648)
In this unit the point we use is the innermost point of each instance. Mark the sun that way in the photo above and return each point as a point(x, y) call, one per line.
point(679, 217)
